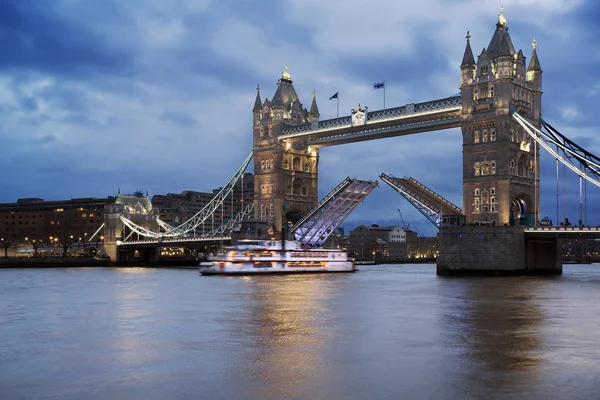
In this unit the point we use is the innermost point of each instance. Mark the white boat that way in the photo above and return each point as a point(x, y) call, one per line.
point(257, 257)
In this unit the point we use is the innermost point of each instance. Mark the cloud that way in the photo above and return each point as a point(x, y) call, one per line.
point(158, 95)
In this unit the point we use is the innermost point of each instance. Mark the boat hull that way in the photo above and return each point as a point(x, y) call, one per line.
point(278, 272)
point(233, 269)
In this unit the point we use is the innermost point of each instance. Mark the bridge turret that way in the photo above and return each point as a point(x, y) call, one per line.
point(256, 111)
point(499, 159)
point(467, 67)
point(313, 114)
point(534, 77)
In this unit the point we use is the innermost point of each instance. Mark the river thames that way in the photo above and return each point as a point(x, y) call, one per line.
point(386, 332)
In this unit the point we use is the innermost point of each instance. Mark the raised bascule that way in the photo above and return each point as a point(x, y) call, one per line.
point(499, 113)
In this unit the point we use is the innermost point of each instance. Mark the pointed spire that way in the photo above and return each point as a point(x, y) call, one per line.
point(257, 102)
point(504, 50)
point(468, 59)
point(314, 110)
point(534, 63)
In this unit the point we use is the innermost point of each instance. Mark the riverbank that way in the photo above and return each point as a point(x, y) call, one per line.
point(52, 262)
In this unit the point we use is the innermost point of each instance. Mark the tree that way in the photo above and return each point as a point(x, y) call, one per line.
point(61, 227)
point(7, 241)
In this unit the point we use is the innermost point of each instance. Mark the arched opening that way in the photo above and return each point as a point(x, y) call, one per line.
point(293, 217)
point(521, 210)
point(297, 164)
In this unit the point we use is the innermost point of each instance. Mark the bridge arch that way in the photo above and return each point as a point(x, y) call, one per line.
point(520, 207)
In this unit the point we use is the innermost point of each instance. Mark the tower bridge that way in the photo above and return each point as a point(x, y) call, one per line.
point(499, 112)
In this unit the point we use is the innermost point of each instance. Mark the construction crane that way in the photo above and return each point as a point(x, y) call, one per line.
point(406, 226)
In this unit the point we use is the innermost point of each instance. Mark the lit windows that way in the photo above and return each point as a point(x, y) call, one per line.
point(493, 191)
point(484, 135)
point(476, 136)
point(492, 135)
point(485, 168)
point(493, 167)
point(477, 168)
point(476, 191)
point(485, 198)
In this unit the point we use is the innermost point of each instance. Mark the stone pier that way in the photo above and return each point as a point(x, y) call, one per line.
point(496, 250)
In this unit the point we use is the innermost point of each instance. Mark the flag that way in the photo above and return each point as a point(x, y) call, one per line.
point(335, 96)
point(379, 85)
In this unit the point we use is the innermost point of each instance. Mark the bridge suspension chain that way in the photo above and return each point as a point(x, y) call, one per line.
point(591, 162)
point(163, 224)
point(212, 206)
point(229, 225)
point(200, 217)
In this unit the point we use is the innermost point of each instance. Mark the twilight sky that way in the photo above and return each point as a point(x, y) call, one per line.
point(156, 95)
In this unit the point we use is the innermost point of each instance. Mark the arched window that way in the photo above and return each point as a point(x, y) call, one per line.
point(297, 164)
point(522, 165)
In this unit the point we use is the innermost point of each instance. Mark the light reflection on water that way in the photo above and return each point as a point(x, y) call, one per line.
point(384, 332)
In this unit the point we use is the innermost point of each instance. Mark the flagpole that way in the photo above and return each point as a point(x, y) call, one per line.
point(337, 113)
point(384, 95)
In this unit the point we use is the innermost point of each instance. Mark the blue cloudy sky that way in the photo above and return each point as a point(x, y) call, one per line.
point(156, 95)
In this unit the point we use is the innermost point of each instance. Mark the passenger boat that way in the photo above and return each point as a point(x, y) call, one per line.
point(258, 257)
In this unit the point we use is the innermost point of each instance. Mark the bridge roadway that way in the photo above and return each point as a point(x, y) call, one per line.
point(172, 242)
point(404, 120)
point(563, 232)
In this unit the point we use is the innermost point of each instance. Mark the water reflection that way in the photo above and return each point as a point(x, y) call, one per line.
point(282, 332)
point(498, 325)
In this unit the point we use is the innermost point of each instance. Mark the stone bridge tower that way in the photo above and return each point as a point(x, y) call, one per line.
point(500, 160)
point(285, 173)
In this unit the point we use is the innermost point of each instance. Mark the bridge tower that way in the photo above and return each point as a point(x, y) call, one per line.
point(285, 172)
point(500, 160)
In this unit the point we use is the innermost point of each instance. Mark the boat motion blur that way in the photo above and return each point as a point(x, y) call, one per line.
point(258, 257)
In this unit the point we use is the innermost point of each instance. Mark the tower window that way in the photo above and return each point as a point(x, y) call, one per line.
point(476, 191)
point(476, 136)
point(493, 191)
point(484, 135)
point(477, 169)
point(493, 167)
point(485, 168)
point(492, 134)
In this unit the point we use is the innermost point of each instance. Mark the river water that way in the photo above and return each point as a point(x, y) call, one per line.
point(386, 332)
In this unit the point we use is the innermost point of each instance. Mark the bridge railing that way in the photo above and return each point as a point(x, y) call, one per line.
point(555, 229)
point(377, 115)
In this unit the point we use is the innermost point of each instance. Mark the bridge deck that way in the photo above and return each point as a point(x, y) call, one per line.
point(404, 120)
point(428, 202)
point(321, 221)
point(573, 231)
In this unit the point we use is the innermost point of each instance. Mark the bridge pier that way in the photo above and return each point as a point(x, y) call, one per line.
point(496, 250)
